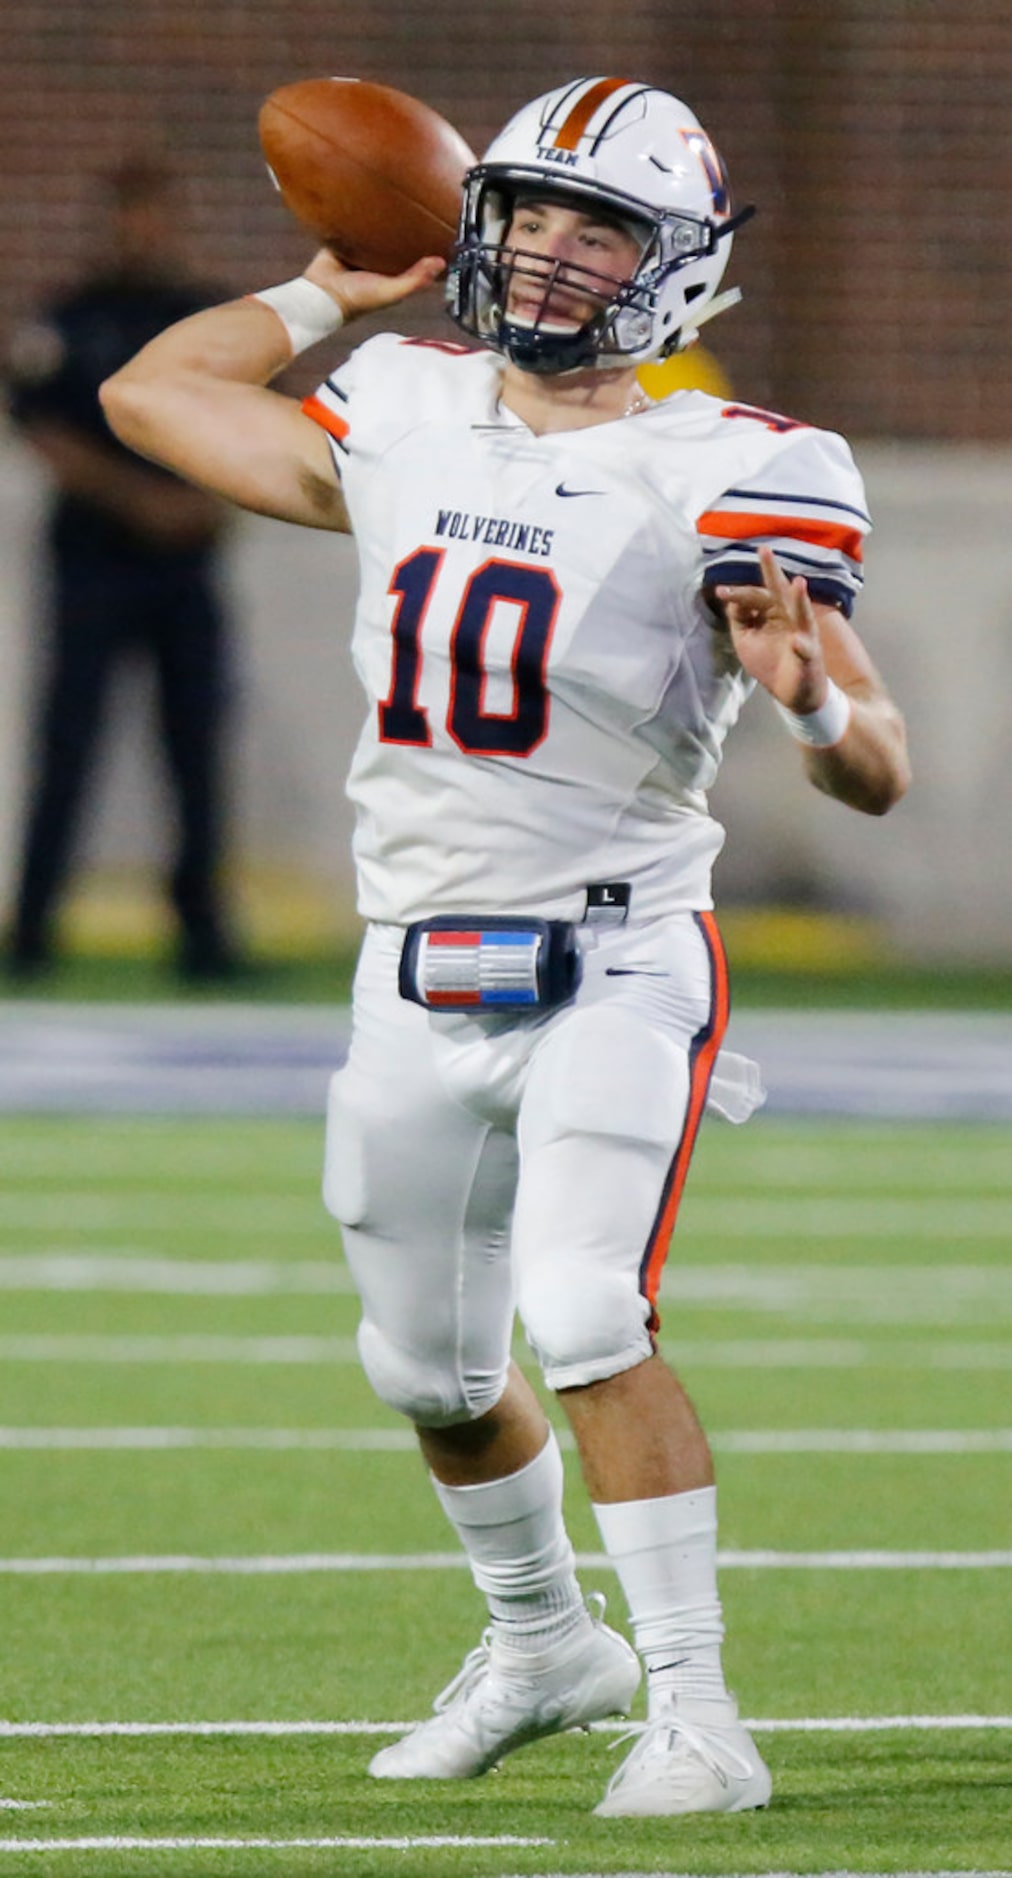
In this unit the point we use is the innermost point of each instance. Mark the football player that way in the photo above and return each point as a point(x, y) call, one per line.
point(568, 592)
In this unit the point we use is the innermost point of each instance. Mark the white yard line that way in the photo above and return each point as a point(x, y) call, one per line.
point(926, 1217)
point(940, 1295)
point(240, 1215)
point(195, 1348)
point(420, 1844)
point(871, 1560)
point(268, 1565)
point(832, 1724)
point(851, 1216)
point(403, 1440)
point(740, 1353)
point(341, 1842)
point(132, 1269)
point(864, 1441)
point(312, 1440)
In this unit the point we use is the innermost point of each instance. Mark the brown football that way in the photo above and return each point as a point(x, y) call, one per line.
point(373, 173)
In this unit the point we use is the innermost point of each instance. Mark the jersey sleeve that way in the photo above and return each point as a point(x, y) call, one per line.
point(390, 386)
point(807, 504)
point(330, 407)
point(367, 402)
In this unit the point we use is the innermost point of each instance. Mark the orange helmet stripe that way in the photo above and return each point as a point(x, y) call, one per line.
point(576, 121)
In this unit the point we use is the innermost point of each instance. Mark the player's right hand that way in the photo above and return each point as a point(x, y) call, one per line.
point(357, 292)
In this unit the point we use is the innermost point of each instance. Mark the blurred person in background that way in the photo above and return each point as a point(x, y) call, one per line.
point(132, 573)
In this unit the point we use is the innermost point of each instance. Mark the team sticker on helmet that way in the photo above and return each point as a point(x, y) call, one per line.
point(716, 175)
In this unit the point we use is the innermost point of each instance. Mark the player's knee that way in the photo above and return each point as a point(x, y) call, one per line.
point(418, 1385)
point(583, 1327)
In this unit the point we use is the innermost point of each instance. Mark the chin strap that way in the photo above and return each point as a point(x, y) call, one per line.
point(719, 304)
point(721, 301)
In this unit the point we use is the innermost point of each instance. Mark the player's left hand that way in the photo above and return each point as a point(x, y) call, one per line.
point(775, 634)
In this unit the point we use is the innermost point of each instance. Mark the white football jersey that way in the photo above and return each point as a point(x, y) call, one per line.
point(548, 693)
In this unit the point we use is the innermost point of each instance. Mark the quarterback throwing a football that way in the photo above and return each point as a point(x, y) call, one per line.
point(567, 593)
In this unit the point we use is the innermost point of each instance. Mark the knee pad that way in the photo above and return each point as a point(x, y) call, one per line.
point(431, 1394)
point(582, 1326)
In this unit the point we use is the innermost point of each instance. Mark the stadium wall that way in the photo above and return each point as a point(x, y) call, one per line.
point(874, 136)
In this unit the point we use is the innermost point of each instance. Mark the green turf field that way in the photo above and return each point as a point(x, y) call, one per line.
point(207, 1519)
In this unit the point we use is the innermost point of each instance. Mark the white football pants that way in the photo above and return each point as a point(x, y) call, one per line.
point(485, 1165)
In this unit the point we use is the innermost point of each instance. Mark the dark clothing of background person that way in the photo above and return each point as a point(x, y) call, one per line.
point(133, 573)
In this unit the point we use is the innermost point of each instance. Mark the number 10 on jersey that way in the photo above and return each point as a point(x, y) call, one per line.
point(533, 592)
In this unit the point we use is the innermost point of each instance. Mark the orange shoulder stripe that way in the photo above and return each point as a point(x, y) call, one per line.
point(322, 414)
point(738, 527)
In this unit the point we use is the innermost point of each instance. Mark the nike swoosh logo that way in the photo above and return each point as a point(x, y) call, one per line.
point(632, 971)
point(561, 490)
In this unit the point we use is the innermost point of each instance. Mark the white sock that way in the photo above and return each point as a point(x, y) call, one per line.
point(519, 1551)
point(665, 1554)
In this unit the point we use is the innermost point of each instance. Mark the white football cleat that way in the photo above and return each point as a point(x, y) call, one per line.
point(696, 1758)
point(499, 1700)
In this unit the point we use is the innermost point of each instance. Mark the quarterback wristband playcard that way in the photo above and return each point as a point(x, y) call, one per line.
point(492, 963)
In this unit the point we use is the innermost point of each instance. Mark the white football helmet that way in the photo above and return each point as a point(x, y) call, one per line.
point(632, 155)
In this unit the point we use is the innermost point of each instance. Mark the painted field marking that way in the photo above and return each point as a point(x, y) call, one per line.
point(864, 1441)
point(819, 1724)
point(23, 1806)
point(132, 1269)
point(738, 1353)
point(869, 1560)
point(768, 1874)
point(927, 1217)
point(342, 1842)
point(353, 1440)
point(912, 1294)
point(269, 1565)
point(196, 1348)
point(239, 1215)
point(850, 1216)
point(404, 1441)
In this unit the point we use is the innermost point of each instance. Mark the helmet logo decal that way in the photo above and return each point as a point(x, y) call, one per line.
point(546, 154)
point(575, 122)
point(700, 145)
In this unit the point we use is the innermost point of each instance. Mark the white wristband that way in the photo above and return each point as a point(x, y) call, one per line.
point(306, 311)
point(822, 728)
